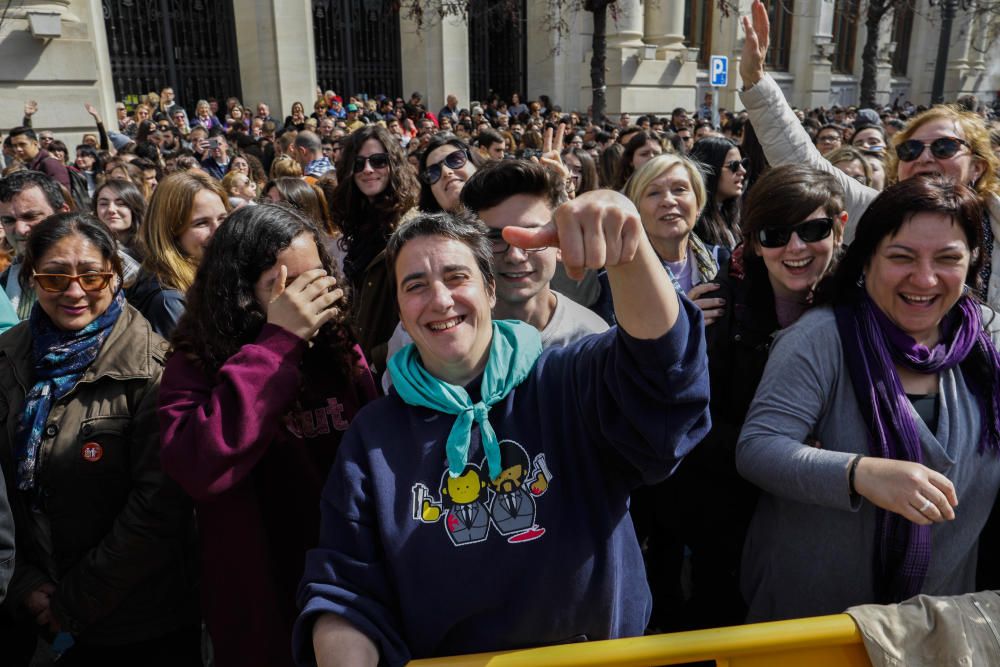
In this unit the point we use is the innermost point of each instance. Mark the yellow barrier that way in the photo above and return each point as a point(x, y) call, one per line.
point(823, 641)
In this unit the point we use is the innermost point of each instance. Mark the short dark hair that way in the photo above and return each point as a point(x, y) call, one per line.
point(461, 227)
point(489, 137)
point(23, 130)
point(57, 227)
point(428, 202)
point(895, 206)
point(498, 180)
point(19, 181)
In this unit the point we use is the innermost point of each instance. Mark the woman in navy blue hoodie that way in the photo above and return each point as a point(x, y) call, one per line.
point(483, 505)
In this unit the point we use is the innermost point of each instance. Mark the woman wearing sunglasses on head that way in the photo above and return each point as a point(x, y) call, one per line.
point(942, 140)
point(105, 541)
point(875, 432)
point(725, 170)
point(445, 165)
point(793, 221)
point(376, 190)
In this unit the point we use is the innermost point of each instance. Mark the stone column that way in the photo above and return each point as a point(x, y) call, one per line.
point(625, 24)
point(277, 53)
point(435, 59)
point(60, 73)
point(664, 25)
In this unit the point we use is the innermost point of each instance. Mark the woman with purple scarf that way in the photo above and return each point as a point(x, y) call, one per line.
point(875, 431)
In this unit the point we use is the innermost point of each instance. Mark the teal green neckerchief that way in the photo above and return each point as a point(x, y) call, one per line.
point(513, 351)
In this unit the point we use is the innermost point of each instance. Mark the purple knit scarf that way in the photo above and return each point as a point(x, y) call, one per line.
point(872, 346)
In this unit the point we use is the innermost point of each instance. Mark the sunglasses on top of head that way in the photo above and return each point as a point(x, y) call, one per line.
point(941, 148)
point(454, 160)
point(376, 160)
point(808, 231)
point(735, 165)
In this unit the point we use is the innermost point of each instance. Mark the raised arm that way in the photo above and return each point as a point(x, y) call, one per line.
point(602, 229)
point(781, 135)
point(101, 131)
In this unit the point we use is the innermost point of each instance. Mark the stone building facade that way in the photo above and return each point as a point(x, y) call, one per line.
point(63, 53)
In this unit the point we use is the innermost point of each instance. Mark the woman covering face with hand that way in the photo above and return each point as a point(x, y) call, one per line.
point(104, 538)
point(265, 379)
point(874, 435)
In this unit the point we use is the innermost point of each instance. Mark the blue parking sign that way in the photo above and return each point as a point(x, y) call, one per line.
point(719, 71)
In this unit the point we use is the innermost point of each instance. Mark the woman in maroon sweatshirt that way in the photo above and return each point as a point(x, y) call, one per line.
point(264, 380)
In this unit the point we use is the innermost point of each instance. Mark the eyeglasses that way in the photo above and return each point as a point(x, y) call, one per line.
point(735, 165)
point(808, 231)
point(828, 139)
point(453, 160)
point(376, 160)
point(60, 282)
point(941, 148)
point(500, 246)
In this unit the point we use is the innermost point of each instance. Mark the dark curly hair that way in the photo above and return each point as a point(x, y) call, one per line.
point(366, 224)
point(223, 313)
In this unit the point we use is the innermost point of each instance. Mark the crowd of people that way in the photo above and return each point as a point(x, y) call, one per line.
point(379, 383)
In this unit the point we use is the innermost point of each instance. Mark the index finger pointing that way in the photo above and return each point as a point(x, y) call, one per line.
point(527, 239)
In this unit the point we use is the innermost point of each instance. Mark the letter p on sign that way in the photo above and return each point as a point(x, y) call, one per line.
point(719, 69)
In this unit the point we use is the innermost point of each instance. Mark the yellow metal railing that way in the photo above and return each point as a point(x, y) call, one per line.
point(823, 641)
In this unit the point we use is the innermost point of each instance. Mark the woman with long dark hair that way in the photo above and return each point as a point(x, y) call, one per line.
point(724, 168)
point(875, 432)
point(120, 205)
point(640, 149)
point(375, 190)
point(445, 165)
point(264, 380)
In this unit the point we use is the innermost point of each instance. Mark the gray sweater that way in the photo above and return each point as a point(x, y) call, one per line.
point(809, 551)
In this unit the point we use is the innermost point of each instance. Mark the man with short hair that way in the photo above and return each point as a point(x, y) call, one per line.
point(27, 150)
point(325, 127)
point(167, 104)
point(624, 120)
point(217, 162)
point(308, 152)
point(449, 110)
point(264, 112)
point(45, 138)
point(492, 144)
point(353, 121)
point(679, 119)
point(26, 199)
point(521, 193)
point(685, 134)
point(829, 138)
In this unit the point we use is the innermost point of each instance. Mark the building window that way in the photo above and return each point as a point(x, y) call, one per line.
point(780, 14)
point(845, 35)
point(698, 28)
point(902, 28)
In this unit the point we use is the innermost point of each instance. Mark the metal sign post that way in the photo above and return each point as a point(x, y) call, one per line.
point(718, 68)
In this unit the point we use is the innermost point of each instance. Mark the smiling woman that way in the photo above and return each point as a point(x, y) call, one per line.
point(877, 416)
point(104, 538)
point(503, 444)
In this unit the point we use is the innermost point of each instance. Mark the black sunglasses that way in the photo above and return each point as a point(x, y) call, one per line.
point(941, 148)
point(376, 160)
point(808, 231)
point(453, 160)
point(734, 165)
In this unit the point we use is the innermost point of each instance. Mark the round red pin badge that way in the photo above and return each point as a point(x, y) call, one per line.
point(92, 452)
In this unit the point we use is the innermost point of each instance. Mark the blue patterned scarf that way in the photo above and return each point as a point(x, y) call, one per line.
point(514, 349)
point(59, 359)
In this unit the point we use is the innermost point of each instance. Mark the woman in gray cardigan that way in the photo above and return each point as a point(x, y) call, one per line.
point(875, 431)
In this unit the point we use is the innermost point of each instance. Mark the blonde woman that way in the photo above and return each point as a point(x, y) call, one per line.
point(183, 214)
